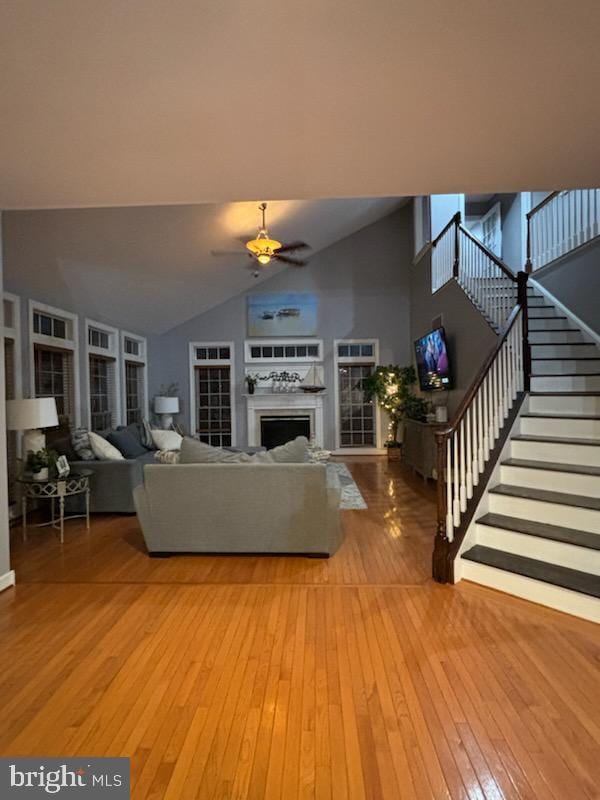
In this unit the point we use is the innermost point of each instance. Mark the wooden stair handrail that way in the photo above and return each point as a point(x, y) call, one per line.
point(497, 261)
point(455, 220)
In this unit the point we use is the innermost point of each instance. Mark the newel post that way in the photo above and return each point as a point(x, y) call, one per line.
point(528, 262)
point(522, 278)
point(441, 547)
point(456, 265)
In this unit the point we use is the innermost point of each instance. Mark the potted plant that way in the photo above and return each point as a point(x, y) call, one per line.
point(38, 463)
point(251, 381)
point(393, 388)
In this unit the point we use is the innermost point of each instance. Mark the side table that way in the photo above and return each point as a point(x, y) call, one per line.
point(53, 489)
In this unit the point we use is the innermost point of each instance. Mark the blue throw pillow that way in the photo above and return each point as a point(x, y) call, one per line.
point(126, 444)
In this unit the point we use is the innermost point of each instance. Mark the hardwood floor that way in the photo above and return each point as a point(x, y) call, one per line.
point(358, 677)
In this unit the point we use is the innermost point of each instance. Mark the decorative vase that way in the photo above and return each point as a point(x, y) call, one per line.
point(250, 388)
point(393, 453)
point(41, 475)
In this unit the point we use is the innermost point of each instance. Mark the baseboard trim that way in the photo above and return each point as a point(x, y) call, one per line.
point(573, 317)
point(7, 580)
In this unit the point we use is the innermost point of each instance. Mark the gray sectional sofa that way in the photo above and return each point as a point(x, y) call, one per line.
point(238, 508)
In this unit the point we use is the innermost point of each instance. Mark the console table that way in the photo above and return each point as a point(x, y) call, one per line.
point(419, 449)
point(53, 489)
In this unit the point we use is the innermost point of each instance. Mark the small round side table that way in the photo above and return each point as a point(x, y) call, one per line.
point(53, 489)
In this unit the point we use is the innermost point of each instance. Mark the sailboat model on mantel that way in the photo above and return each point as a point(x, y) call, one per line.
point(312, 381)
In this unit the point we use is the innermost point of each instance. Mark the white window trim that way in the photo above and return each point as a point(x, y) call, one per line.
point(337, 360)
point(249, 343)
point(62, 344)
point(222, 362)
point(141, 359)
point(111, 352)
point(14, 332)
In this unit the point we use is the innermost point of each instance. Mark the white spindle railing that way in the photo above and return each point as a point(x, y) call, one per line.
point(486, 280)
point(443, 256)
point(472, 436)
point(560, 223)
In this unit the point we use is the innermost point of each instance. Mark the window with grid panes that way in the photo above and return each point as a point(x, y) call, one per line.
point(134, 391)
point(54, 378)
point(11, 436)
point(213, 405)
point(357, 414)
point(102, 393)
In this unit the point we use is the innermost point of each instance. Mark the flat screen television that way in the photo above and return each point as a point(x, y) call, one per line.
point(433, 364)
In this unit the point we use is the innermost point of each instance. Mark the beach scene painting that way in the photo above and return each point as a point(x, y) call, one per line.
point(282, 314)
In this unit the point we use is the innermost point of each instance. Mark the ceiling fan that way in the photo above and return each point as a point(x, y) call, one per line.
point(263, 249)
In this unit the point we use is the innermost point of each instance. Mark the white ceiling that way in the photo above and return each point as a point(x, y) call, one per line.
point(147, 269)
point(161, 102)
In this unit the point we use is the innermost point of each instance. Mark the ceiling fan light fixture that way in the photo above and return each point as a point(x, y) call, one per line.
point(263, 248)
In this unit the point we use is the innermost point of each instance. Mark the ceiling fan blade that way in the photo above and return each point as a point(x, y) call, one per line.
point(291, 246)
point(228, 253)
point(293, 262)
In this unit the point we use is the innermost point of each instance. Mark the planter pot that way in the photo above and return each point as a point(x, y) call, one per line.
point(251, 388)
point(394, 453)
point(42, 475)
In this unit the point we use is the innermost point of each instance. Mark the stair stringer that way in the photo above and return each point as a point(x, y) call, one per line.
point(470, 537)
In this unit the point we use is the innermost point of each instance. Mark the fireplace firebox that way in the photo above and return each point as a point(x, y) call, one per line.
point(281, 429)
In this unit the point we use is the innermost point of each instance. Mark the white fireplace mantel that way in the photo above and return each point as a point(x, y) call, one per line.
point(279, 403)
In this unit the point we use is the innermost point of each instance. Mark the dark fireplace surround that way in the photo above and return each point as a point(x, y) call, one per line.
point(278, 430)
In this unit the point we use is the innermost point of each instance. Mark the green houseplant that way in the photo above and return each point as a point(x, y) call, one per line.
point(393, 386)
point(38, 463)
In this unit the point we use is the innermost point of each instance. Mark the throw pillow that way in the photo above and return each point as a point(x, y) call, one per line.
point(103, 450)
point(146, 434)
point(167, 456)
point(195, 452)
point(80, 439)
point(126, 443)
point(295, 452)
point(166, 440)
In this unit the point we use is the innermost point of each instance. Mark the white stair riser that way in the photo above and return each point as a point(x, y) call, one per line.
point(548, 550)
point(561, 426)
point(546, 312)
point(565, 351)
point(568, 404)
point(553, 481)
point(565, 366)
point(582, 519)
point(549, 324)
point(580, 605)
point(540, 337)
point(566, 383)
point(559, 453)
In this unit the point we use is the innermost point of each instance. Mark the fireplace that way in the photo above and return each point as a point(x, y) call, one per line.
point(280, 429)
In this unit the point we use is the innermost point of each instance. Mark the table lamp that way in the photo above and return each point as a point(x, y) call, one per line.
point(165, 407)
point(31, 416)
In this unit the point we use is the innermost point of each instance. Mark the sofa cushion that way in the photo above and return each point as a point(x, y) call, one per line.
point(295, 452)
point(102, 449)
point(80, 439)
point(167, 456)
point(126, 443)
point(166, 440)
point(195, 452)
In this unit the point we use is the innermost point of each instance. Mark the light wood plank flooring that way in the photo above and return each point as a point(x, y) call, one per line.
point(225, 677)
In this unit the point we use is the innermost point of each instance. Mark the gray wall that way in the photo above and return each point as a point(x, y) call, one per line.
point(362, 284)
point(575, 281)
point(4, 529)
point(470, 338)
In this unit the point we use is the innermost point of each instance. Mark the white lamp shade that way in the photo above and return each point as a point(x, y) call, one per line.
point(166, 405)
point(27, 415)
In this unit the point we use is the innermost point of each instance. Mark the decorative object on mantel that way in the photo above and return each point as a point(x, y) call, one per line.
point(251, 381)
point(392, 386)
point(312, 382)
point(31, 416)
point(282, 314)
point(281, 381)
point(166, 403)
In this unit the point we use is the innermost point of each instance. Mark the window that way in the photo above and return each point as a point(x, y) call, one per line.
point(97, 338)
point(102, 393)
point(54, 378)
point(54, 361)
point(134, 392)
point(212, 392)
point(284, 350)
point(356, 416)
point(131, 346)
point(11, 436)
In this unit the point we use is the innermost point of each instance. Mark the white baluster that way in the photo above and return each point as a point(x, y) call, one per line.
point(480, 431)
point(463, 482)
point(469, 455)
point(449, 515)
point(456, 502)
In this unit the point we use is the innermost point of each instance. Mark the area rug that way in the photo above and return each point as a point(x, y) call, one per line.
point(338, 474)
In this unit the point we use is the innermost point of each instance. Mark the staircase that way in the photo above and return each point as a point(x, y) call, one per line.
point(536, 530)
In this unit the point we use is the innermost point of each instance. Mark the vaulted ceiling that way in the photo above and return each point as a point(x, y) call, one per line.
point(161, 102)
point(147, 269)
